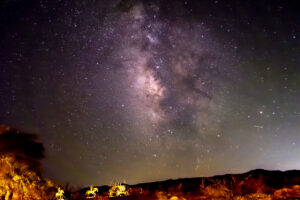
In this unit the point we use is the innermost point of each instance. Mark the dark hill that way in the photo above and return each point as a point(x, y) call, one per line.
point(255, 184)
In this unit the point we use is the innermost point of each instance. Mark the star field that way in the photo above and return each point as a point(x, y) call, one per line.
point(136, 91)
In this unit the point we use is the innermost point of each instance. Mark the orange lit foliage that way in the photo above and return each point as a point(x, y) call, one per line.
point(246, 189)
point(18, 182)
point(288, 193)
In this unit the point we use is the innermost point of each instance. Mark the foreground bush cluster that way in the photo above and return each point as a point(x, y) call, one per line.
point(19, 182)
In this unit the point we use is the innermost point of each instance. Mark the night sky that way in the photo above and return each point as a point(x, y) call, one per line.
point(127, 90)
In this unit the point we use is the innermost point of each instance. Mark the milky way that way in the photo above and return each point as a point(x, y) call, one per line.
point(173, 77)
point(126, 90)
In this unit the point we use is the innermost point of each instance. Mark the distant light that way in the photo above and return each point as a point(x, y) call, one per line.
point(257, 126)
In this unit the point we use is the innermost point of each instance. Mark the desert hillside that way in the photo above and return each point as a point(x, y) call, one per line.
point(256, 184)
point(21, 179)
